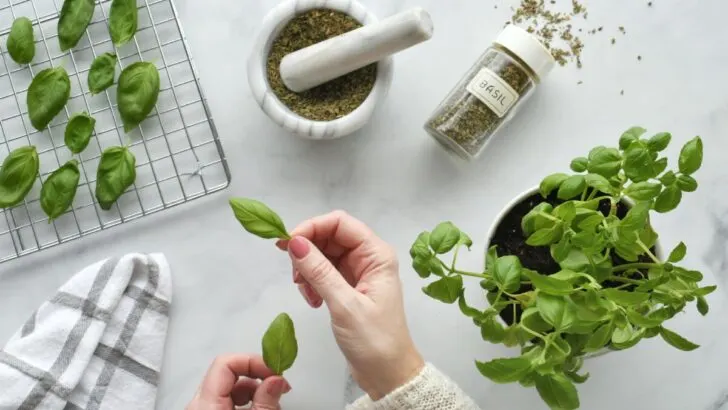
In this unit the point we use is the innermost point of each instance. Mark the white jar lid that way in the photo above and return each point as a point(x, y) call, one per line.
point(528, 48)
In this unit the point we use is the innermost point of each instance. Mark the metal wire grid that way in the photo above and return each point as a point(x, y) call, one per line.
point(179, 156)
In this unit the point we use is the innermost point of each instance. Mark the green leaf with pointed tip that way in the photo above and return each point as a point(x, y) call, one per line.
point(703, 306)
point(599, 183)
point(102, 73)
point(600, 338)
point(552, 182)
point(280, 347)
point(631, 135)
point(137, 93)
point(687, 183)
point(465, 309)
point(677, 341)
point(59, 190)
point(624, 298)
point(532, 319)
point(491, 330)
point(572, 187)
point(123, 21)
point(643, 191)
point(421, 246)
point(546, 236)
point(444, 238)
point(643, 321)
point(116, 173)
point(668, 178)
point(74, 18)
point(557, 391)
point(47, 95)
point(605, 161)
point(678, 253)
point(691, 156)
point(17, 175)
point(446, 289)
point(556, 311)
point(668, 200)
point(505, 370)
point(549, 285)
point(659, 141)
point(79, 130)
point(21, 41)
point(579, 164)
point(507, 273)
point(258, 219)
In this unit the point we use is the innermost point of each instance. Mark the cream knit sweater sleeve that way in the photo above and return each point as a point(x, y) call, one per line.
point(429, 390)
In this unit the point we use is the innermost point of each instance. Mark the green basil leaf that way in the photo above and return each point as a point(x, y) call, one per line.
point(507, 273)
point(599, 183)
point(659, 141)
point(547, 236)
point(532, 319)
point(444, 238)
point(658, 167)
point(678, 254)
point(17, 175)
point(605, 161)
point(668, 178)
point(421, 246)
point(579, 164)
point(79, 130)
point(102, 73)
point(436, 266)
point(643, 191)
point(703, 306)
point(549, 285)
point(576, 377)
point(21, 41)
point(551, 182)
point(534, 220)
point(258, 219)
point(505, 370)
point(591, 222)
point(572, 187)
point(446, 289)
point(566, 211)
point(627, 338)
point(625, 298)
point(638, 163)
point(677, 341)
point(116, 173)
point(58, 191)
point(556, 311)
point(560, 250)
point(280, 346)
point(668, 200)
point(491, 330)
point(600, 338)
point(631, 135)
point(557, 391)
point(704, 291)
point(74, 19)
point(465, 240)
point(137, 93)
point(422, 265)
point(123, 18)
point(490, 257)
point(47, 95)
point(465, 309)
point(636, 217)
point(638, 319)
point(687, 183)
point(691, 156)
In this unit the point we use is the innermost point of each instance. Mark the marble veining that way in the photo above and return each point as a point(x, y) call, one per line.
point(228, 286)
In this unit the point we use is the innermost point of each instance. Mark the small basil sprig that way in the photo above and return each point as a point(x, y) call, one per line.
point(116, 173)
point(137, 93)
point(102, 73)
point(611, 292)
point(258, 219)
point(280, 346)
point(123, 17)
point(79, 130)
point(47, 95)
point(21, 42)
point(58, 191)
point(74, 19)
point(17, 175)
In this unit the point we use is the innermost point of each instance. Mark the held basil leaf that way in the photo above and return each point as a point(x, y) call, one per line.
point(21, 42)
point(444, 238)
point(625, 298)
point(571, 187)
point(79, 130)
point(280, 347)
point(643, 191)
point(659, 141)
point(605, 161)
point(505, 370)
point(630, 136)
point(691, 156)
point(258, 219)
point(687, 183)
point(556, 311)
point(47, 95)
point(551, 182)
point(549, 285)
point(116, 173)
point(557, 391)
point(668, 200)
point(102, 73)
point(123, 18)
point(446, 290)
point(17, 175)
point(507, 273)
point(75, 17)
point(677, 341)
point(58, 191)
point(137, 93)
point(678, 253)
point(579, 164)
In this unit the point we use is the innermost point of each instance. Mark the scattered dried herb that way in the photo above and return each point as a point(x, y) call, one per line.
point(331, 100)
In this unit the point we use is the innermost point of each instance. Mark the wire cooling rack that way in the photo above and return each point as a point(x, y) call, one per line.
point(179, 156)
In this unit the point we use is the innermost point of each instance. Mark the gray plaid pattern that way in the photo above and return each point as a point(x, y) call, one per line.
point(115, 360)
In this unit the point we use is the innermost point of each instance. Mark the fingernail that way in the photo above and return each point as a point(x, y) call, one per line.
point(305, 296)
point(299, 248)
point(287, 387)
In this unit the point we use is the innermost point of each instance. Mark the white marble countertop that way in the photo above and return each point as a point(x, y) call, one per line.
point(228, 286)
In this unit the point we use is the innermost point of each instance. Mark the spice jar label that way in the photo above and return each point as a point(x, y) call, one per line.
point(493, 92)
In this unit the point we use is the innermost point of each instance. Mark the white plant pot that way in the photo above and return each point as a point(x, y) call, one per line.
point(272, 24)
point(517, 200)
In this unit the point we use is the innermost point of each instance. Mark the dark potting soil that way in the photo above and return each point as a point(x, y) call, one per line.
point(510, 240)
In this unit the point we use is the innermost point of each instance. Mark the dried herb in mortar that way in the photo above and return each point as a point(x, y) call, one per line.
point(334, 99)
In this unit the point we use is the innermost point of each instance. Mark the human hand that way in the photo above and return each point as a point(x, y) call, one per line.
point(339, 260)
point(234, 380)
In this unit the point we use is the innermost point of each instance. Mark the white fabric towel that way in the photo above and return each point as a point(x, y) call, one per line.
point(97, 344)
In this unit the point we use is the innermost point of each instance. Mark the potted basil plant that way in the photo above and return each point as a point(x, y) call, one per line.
point(574, 268)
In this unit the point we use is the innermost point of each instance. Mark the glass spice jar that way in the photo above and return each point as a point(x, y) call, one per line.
point(490, 93)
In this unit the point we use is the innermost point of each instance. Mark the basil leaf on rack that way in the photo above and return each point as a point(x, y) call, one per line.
point(258, 219)
point(280, 347)
point(123, 18)
point(79, 130)
point(47, 95)
point(116, 173)
point(137, 93)
point(21, 43)
point(102, 73)
point(73, 21)
point(17, 175)
point(59, 189)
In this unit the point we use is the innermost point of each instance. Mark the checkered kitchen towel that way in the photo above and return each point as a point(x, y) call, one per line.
point(97, 344)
